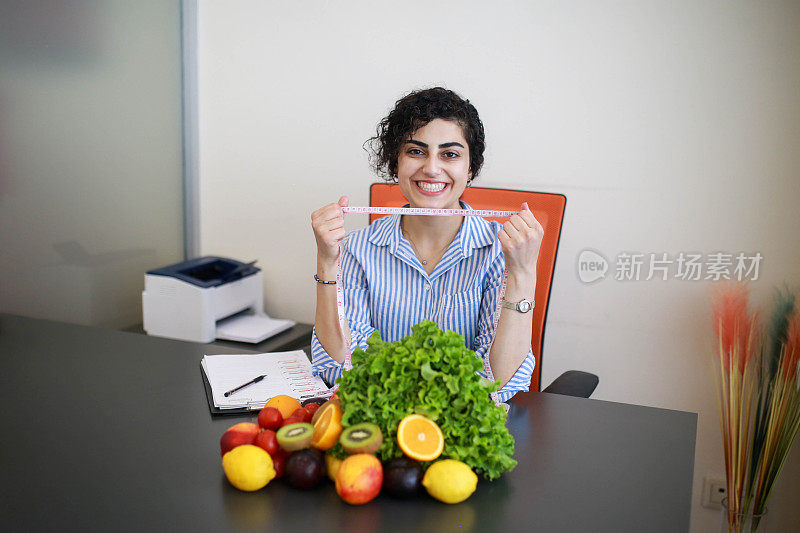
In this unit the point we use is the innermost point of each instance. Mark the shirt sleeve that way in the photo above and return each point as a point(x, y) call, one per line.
point(356, 306)
point(520, 381)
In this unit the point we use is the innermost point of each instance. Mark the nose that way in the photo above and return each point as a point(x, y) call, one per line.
point(431, 167)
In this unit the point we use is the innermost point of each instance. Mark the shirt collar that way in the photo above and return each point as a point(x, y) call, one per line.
point(475, 232)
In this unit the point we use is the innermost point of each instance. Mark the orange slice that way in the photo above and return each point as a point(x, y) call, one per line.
point(420, 438)
point(327, 428)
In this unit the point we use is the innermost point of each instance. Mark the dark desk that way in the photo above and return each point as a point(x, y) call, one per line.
point(110, 431)
point(294, 338)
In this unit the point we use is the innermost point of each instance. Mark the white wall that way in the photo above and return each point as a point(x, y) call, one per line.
point(671, 127)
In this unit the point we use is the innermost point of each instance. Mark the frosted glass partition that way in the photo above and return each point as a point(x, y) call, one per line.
point(90, 156)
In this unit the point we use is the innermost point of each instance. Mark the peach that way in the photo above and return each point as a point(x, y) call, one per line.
point(359, 478)
point(238, 434)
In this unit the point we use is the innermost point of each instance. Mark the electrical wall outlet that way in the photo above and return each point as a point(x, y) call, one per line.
point(713, 492)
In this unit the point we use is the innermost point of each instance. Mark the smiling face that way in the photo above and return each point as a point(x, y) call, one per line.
point(433, 165)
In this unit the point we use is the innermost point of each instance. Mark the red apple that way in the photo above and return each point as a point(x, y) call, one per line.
point(279, 464)
point(268, 441)
point(303, 414)
point(291, 420)
point(238, 434)
point(270, 418)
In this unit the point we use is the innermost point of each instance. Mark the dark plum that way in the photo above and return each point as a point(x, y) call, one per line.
point(402, 477)
point(305, 469)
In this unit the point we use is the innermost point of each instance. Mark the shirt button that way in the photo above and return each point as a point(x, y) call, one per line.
point(427, 286)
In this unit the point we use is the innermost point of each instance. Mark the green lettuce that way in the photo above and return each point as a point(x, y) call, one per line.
point(432, 373)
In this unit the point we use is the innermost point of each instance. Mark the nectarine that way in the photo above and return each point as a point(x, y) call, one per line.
point(359, 478)
point(238, 434)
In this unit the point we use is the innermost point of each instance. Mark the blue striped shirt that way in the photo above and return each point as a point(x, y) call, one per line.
point(386, 288)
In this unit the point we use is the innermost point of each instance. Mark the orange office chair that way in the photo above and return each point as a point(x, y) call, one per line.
point(549, 211)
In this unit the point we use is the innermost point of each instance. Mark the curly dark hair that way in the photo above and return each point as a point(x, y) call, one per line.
point(412, 112)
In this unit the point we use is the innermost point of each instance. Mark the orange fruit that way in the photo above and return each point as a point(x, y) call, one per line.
point(285, 404)
point(420, 438)
point(324, 407)
point(327, 428)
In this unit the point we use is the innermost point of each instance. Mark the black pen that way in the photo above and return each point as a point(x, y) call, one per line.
point(254, 380)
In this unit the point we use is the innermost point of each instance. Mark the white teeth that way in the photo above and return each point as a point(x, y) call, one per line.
point(430, 187)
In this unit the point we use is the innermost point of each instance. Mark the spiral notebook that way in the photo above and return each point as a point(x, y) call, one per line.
point(286, 373)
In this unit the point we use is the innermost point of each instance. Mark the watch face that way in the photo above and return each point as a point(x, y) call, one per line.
point(524, 306)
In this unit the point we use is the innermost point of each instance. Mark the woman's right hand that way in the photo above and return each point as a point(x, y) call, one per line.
point(328, 224)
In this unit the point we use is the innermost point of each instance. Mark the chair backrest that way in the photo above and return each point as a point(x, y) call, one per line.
point(548, 209)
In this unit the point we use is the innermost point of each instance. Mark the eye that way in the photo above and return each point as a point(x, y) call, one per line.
point(450, 154)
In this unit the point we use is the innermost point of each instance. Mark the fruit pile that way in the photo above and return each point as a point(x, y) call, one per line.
point(295, 442)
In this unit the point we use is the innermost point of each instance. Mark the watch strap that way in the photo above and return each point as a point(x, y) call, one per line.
point(515, 306)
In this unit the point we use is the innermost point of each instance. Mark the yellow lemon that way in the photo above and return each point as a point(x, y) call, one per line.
point(332, 466)
point(450, 481)
point(248, 467)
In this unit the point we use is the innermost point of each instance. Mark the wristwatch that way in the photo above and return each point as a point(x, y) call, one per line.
point(523, 306)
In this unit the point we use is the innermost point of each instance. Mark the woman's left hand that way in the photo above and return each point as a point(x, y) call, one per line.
point(521, 238)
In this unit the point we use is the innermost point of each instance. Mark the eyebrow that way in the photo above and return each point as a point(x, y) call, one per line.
point(444, 145)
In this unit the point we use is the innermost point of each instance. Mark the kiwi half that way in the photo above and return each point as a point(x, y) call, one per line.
point(293, 437)
point(361, 438)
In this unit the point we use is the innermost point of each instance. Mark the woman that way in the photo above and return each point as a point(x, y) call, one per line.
point(403, 269)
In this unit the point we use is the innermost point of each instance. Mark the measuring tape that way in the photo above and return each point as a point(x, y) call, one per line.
point(429, 212)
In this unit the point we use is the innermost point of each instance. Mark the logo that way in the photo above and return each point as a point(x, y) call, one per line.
point(591, 266)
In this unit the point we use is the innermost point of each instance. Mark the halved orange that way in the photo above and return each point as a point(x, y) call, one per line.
point(318, 413)
point(327, 428)
point(420, 438)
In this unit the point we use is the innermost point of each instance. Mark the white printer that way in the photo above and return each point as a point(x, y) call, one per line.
point(208, 298)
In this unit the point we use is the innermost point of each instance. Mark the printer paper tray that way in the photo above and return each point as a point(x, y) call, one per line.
point(251, 328)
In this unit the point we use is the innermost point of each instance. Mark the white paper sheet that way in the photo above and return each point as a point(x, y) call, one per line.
point(286, 373)
point(251, 327)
